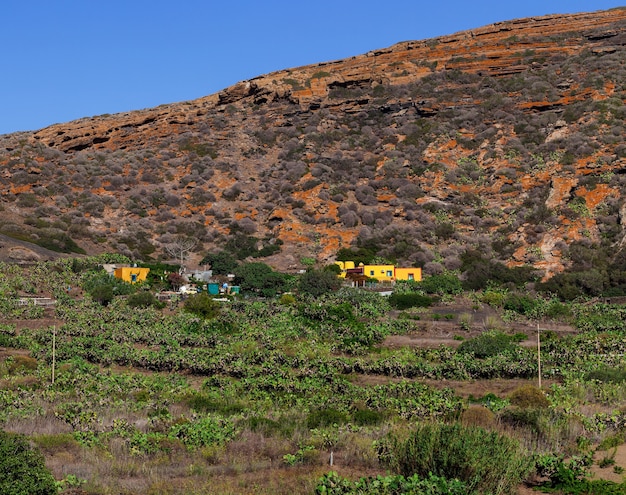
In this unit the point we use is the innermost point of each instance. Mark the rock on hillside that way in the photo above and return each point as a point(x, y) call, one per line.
point(506, 139)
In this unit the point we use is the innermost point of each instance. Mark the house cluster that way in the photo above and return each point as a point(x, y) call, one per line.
point(204, 280)
point(361, 273)
point(358, 275)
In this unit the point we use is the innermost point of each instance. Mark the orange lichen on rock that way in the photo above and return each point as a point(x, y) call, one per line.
point(596, 196)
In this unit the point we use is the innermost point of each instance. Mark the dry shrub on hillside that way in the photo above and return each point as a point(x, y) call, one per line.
point(529, 396)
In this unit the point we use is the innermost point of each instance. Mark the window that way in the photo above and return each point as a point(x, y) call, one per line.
point(133, 277)
point(411, 277)
point(371, 273)
point(389, 273)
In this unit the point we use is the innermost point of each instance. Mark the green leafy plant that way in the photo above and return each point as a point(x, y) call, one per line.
point(22, 469)
point(486, 461)
point(202, 305)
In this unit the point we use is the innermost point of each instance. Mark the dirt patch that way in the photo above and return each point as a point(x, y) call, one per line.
point(451, 324)
point(607, 473)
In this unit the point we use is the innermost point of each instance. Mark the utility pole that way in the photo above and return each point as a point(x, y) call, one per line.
point(539, 354)
point(54, 345)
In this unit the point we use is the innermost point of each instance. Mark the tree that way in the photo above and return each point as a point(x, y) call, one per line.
point(222, 262)
point(242, 245)
point(260, 278)
point(175, 280)
point(445, 283)
point(102, 293)
point(318, 282)
point(180, 249)
point(22, 469)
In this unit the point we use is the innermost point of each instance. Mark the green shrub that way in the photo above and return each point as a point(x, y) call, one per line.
point(365, 417)
point(333, 484)
point(222, 262)
point(607, 375)
point(318, 282)
point(533, 419)
point(486, 461)
point(204, 404)
point(202, 305)
point(612, 441)
point(55, 442)
point(325, 417)
point(558, 310)
point(287, 300)
point(520, 303)
point(22, 469)
point(493, 297)
point(486, 345)
point(102, 294)
point(17, 364)
point(284, 427)
point(571, 476)
point(260, 278)
point(446, 283)
point(143, 299)
point(202, 432)
point(478, 415)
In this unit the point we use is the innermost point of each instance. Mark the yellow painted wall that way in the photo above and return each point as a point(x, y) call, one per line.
point(406, 273)
point(344, 265)
point(126, 274)
point(382, 273)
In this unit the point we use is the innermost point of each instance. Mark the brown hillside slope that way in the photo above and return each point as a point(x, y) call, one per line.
point(507, 139)
point(491, 50)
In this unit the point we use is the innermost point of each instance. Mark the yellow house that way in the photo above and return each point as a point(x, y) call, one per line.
point(345, 266)
point(131, 274)
point(414, 274)
point(382, 273)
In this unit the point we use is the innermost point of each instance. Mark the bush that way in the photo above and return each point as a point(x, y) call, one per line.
point(325, 417)
point(22, 469)
point(364, 417)
point(486, 345)
point(333, 484)
point(143, 300)
point(529, 396)
point(102, 294)
point(607, 375)
point(202, 305)
point(478, 415)
point(486, 461)
point(446, 283)
point(318, 282)
point(520, 303)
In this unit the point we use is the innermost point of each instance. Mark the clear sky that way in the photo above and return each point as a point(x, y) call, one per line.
point(67, 59)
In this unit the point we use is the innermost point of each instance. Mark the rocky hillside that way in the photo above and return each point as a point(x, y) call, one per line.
point(507, 140)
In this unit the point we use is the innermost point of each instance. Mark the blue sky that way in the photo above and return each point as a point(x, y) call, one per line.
point(67, 59)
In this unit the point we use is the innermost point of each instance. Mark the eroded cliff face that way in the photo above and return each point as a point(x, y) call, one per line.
point(497, 50)
point(508, 138)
